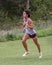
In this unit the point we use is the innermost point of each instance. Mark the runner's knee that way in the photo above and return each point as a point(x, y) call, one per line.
point(23, 41)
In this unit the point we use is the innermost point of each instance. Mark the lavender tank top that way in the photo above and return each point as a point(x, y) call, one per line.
point(27, 30)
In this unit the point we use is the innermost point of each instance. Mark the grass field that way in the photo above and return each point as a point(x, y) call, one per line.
point(11, 53)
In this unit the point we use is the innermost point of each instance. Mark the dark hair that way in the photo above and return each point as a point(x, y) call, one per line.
point(27, 12)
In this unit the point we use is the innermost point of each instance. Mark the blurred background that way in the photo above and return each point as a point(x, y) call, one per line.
point(11, 18)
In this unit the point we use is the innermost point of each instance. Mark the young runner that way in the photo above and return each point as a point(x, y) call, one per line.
point(29, 33)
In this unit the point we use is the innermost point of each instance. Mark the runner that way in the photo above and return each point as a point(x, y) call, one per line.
point(29, 33)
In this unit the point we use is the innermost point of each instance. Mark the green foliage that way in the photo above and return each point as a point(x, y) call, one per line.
point(44, 32)
point(3, 39)
point(11, 8)
point(18, 36)
point(39, 8)
point(11, 37)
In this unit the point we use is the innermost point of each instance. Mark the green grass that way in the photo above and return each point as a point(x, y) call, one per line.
point(11, 53)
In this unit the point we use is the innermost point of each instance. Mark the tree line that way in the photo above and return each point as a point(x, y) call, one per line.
point(40, 9)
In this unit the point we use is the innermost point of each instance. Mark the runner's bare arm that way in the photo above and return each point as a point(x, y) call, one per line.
point(30, 24)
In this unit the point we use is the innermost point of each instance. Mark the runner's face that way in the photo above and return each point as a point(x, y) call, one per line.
point(24, 14)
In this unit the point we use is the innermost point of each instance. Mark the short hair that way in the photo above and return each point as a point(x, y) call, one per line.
point(27, 12)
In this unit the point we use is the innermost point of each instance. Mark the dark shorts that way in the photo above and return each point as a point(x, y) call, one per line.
point(32, 36)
